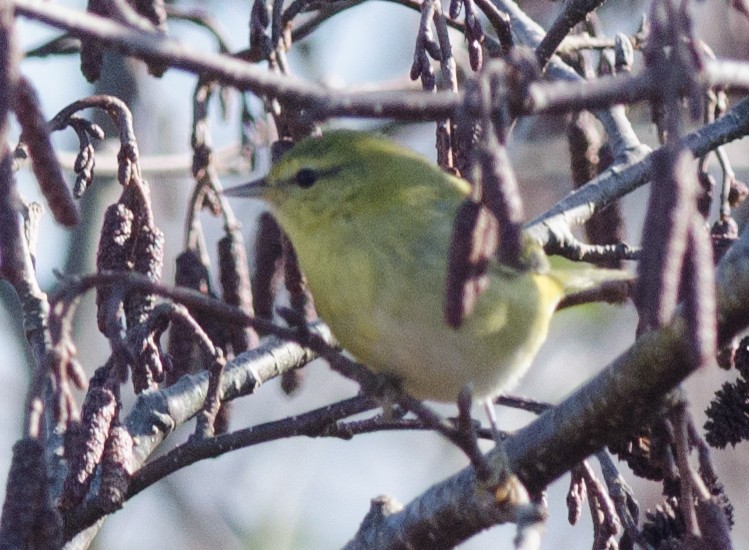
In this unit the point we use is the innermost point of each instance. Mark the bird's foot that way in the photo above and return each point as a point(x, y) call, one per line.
point(467, 432)
point(513, 499)
point(388, 392)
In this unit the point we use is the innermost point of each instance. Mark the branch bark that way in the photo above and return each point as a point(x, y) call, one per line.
point(628, 393)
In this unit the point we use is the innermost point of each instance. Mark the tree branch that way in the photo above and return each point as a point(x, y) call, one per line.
point(157, 414)
point(624, 396)
point(544, 97)
point(553, 227)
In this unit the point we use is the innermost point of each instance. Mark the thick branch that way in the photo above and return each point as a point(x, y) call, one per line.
point(554, 226)
point(622, 138)
point(625, 395)
point(572, 14)
point(176, 404)
point(545, 97)
point(157, 414)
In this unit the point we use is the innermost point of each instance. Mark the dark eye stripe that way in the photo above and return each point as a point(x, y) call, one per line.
point(306, 177)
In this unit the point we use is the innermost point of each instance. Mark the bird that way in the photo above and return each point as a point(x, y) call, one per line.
point(371, 224)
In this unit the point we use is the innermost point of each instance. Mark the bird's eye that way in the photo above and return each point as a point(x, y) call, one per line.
point(306, 177)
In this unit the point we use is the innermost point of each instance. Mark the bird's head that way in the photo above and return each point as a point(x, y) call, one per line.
point(341, 172)
point(324, 170)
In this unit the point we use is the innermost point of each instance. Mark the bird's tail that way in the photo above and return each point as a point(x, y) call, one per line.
point(578, 276)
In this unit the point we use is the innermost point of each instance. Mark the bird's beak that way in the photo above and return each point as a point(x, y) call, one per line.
point(252, 189)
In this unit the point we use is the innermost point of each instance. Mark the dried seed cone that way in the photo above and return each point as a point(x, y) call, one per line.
point(114, 250)
point(235, 287)
point(664, 526)
point(148, 260)
point(48, 534)
point(11, 248)
point(728, 415)
point(474, 241)
point(25, 493)
point(588, 158)
point(91, 51)
point(155, 12)
point(639, 454)
point(84, 169)
point(672, 201)
point(268, 254)
point(11, 255)
point(85, 451)
point(147, 370)
point(296, 283)
point(115, 469)
point(192, 273)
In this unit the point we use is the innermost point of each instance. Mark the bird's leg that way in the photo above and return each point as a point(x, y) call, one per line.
point(513, 498)
point(489, 408)
point(387, 391)
point(467, 429)
point(493, 475)
point(463, 435)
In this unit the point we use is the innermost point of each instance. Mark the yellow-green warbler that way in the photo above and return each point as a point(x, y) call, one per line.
point(371, 224)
